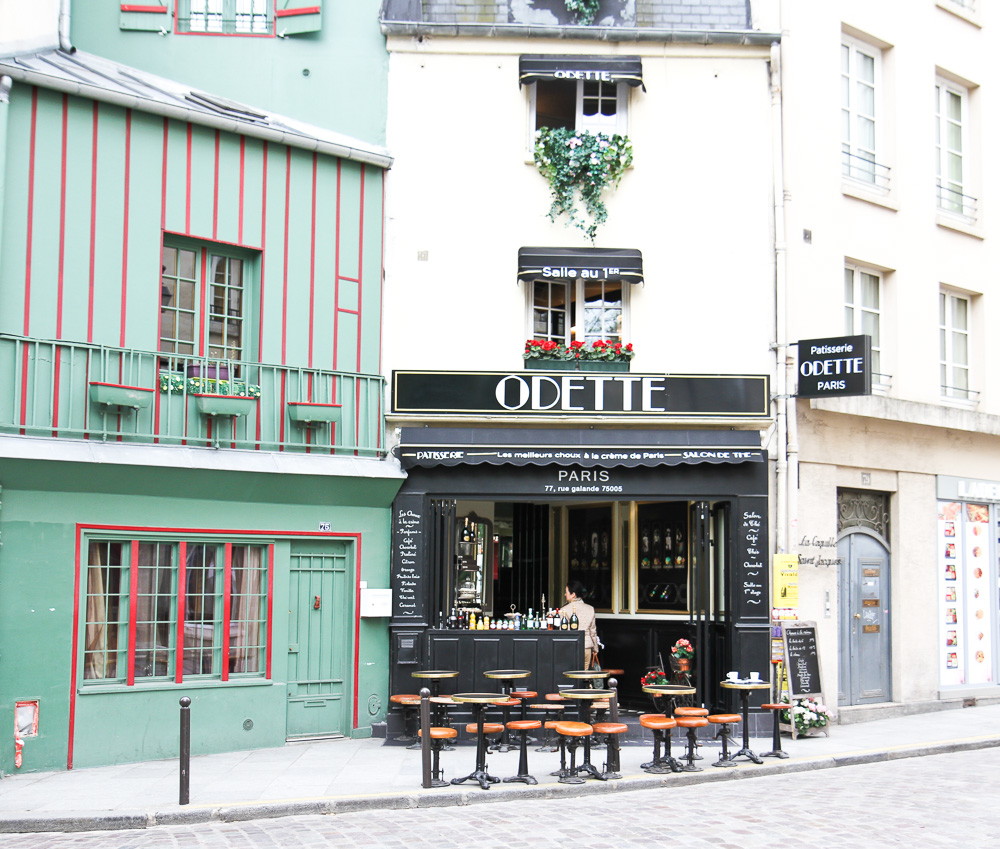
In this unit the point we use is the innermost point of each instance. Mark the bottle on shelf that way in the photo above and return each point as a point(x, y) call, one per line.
point(453, 620)
point(441, 623)
point(574, 623)
point(563, 624)
point(472, 621)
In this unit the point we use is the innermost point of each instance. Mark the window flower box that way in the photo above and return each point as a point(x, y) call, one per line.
point(119, 395)
point(313, 412)
point(223, 405)
point(546, 355)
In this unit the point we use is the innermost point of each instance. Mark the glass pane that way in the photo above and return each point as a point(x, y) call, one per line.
point(200, 622)
point(866, 68)
point(848, 321)
point(540, 323)
point(876, 362)
point(960, 376)
point(954, 106)
point(845, 93)
point(186, 263)
point(943, 344)
point(845, 59)
point(869, 290)
point(960, 348)
point(104, 607)
point(169, 260)
point(848, 286)
point(955, 137)
point(866, 133)
point(942, 308)
point(154, 634)
point(869, 326)
point(960, 313)
point(866, 100)
point(186, 293)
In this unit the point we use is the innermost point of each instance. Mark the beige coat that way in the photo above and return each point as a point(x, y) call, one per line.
point(588, 623)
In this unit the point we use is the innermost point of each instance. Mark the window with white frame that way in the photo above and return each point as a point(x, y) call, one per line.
point(861, 96)
point(863, 310)
point(166, 610)
point(954, 315)
point(233, 17)
point(578, 310)
point(951, 114)
point(203, 300)
point(594, 106)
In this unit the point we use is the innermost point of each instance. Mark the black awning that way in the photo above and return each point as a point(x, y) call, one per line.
point(590, 448)
point(609, 69)
point(575, 263)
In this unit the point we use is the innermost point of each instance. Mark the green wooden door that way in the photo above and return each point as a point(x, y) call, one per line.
point(319, 640)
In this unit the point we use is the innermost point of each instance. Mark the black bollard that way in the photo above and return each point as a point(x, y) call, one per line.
point(425, 736)
point(185, 771)
point(614, 753)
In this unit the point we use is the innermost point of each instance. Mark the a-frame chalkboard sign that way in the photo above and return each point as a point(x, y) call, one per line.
point(802, 666)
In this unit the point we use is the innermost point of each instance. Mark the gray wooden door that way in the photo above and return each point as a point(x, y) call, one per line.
point(865, 633)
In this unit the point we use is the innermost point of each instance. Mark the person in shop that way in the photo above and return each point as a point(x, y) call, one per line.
point(585, 616)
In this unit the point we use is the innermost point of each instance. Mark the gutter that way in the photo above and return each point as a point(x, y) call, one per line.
point(420, 29)
point(181, 113)
point(64, 42)
point(5, 86)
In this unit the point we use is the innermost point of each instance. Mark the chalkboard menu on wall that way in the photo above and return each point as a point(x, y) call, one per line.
point(408, 545)
point(802, 659)
point(752, 598)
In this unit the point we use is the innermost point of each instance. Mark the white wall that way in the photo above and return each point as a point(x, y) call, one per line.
point(27, 25)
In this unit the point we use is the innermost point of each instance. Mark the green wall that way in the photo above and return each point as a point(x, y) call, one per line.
point(42, 504)
point(345, 89)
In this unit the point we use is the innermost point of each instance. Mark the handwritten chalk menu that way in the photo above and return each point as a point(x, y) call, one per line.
point(751, 594)
point(407, 553)
point(802, 659)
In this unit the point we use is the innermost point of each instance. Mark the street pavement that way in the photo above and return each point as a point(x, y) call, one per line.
point(942, 768)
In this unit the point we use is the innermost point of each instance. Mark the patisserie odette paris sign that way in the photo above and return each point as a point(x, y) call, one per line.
point(839, 365)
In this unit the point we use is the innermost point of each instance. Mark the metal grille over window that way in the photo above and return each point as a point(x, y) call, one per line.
point(858, 508)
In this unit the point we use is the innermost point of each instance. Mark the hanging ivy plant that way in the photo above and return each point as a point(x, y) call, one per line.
point(577, 161)
point(584, 10)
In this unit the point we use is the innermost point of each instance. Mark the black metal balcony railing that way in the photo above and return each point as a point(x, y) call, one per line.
point(74, 390)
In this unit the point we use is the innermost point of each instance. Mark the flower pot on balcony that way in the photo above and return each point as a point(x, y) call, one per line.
point(223, 405)
point(119, 395)
point(313, 413)
point(536, 364)
point(210, 371)
point(603, 365)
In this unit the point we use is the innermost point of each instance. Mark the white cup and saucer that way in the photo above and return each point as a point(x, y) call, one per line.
point(733, 677)
point(754, 677)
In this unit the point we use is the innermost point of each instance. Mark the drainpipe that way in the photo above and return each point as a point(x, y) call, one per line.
point(64, 43)
point(784, 483)
point(5, 86)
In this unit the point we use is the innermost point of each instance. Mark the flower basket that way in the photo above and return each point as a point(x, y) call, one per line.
point(601, 355)
point(313, 413)
point(808, 717)
point(117, 395)
point(223, 405)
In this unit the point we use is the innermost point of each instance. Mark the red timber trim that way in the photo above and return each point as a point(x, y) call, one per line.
point(215, 192)
point(125, 200)
point(304, 10)
point(312, 263)
point(187, 184)
point(74, 654)
point(270, 607)
point(361, 257)
point(133, 7)
point(381, 305)
point(204, 296)
point(263, 243)
point(181, 602)
point(357, 622)
point(336, 274)
point(159, 271)
point(133, 598)
point(93, 229)
point(61, 268)
point(284, 276)
point(227, 586)
point(29, 224)
point(239, 211)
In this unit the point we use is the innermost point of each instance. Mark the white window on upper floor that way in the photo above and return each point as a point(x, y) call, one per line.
point(863, 312)
point(952, 137)
point(567, 311)
point(591, 105)
point(862, 122)
point(237, 17)
point(954, 314)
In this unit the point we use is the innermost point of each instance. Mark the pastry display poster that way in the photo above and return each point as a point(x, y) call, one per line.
point(965, 600)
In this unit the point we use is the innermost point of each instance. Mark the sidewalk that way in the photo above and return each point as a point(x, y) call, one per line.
point(334, 776)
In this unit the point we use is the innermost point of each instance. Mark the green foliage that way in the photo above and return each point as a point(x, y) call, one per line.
point(585, 10)
point(575, 161)
point(207, 386)
point(601, 351)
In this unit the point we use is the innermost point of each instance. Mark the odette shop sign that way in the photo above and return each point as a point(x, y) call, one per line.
point(839, 365)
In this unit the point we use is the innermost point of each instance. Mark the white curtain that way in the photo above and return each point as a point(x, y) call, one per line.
point(245, 608)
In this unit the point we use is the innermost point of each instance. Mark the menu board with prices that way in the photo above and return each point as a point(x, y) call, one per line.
point(965, 600)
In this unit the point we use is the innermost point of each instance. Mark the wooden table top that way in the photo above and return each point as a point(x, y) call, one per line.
point(669, 690)
point(477, 698)
point(586, 673)
point(745, 685)
point(435, 673)
point(507, 673)
point(586, 694)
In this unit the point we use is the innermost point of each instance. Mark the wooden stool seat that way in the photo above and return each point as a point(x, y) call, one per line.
point(488, 728)
point(657, 721)
point(407, 701)
point(574, 729)
point(690, 711)
point(776, 751)
point(691, 721)
point(724, 718)
point(524, 724)
point(610, 727)
point(400, 698)
point(506, 703)
point(523, 694)
point(692, 724)
point(439, 733)
point(554, 697)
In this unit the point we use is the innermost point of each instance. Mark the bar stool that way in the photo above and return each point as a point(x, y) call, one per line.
point(659, 723)
point(523, 696)
point(691, 711)
point(724, 720)
point(440, 715)
point(549, 744)
point(610, 731)
point(600, 710)
point(570, 734)
point(410, 705)
point(438, 736)
point(503, 744)
point(488, 729)
point(524, 726)
point(692, 724)
point(776, 734)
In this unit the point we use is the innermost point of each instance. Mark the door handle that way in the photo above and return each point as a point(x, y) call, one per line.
point(857, 615)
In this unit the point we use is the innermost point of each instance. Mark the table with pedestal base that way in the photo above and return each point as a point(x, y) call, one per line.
point(479, 701)
point(585, 697)
point(745, 688)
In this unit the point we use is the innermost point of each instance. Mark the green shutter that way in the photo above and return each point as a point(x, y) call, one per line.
point(297, 16)
point(151, 17)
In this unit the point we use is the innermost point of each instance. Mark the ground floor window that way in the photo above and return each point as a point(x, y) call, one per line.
point(174, 609)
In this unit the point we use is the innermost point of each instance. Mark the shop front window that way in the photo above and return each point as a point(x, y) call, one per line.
point(565, 311)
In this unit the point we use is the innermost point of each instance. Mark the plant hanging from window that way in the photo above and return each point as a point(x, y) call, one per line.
point(584, 10)
point(577, 161)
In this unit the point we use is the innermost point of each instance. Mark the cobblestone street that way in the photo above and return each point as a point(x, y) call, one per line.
point(946, 800)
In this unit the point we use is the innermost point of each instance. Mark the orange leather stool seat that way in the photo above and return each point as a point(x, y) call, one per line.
point(724, 720)
point(488, 728)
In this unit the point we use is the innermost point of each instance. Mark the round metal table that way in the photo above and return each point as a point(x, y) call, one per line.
point(585, 697)
point(745, 688)
point(435, 677)
point(479, 702)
